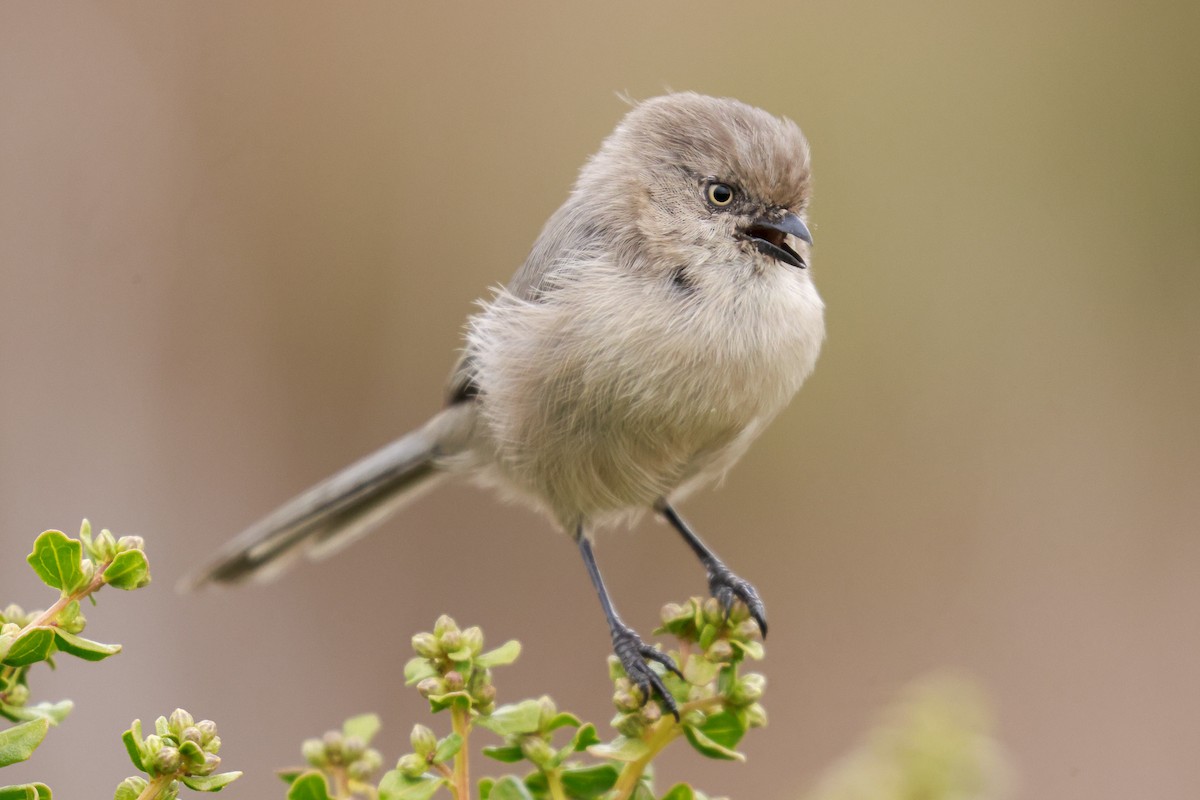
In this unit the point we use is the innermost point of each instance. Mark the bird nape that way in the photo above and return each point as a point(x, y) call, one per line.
point(662, 319)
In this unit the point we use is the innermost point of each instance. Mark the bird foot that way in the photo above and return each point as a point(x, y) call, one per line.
point(633, 654)
point(727, 587)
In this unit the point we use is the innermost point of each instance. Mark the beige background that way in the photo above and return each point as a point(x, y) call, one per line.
point(238, 241)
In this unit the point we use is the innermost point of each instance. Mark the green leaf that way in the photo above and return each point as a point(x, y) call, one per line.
point(26, 791)
point(54, 712)
point(129, 570)
point(587, 783)
point(131, 788)
point(509, 788)
point(192, 752)
point(309, 786)
point(561, 720)
point(513, 719)
point(32, 646)
point(724, 728)
point(56, 559)
point(509, 754)
point(134, 744)
point(620, 749)
point(707, 747)
point(680, 791)
point(364, 726)
point(504, 654)
point(288, 776)
point(84, 648)
point(210, 783)
point(395, 786)
point(447, 748)
point(485, 787)
point(585, 737)
point(418, 669)
point(18, 742)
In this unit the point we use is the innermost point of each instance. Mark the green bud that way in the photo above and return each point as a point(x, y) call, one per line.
point(631, 726)
point(423, 741)
point(190, 734)
point(213, 745)
point(179, 720)
point(472, 637)
point(651, 713)
point(104, 546)
point(712, 612)
point(208, 729)
point(88, 568)
point(411, 765)
point(362, 769)
point(485, 694)
point(756, 716)
point(615, 670)
point(85, 529)
point(627, 701)
point(18, 695)
point(166, 762)
point(719, 652)
point(536, 749)
point(749, 689)
point(154, 743)
point(314, 752)
point(132, 787)
point(443, 625)
point(426, 644)
point(739, 613)
point(130, 543)
point(486, 708)
point(454, 681)
point(431, 686)
point(451, 640)
point(10, 629)
point(746, 630)
point(333, 741)
point(13, 614)
point(546, 711)
point(352, 748)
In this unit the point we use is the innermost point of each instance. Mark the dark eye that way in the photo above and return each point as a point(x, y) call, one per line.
point(719, 194)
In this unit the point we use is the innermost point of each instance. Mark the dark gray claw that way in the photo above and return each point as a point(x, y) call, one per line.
point(633, 653)
point(727, 587)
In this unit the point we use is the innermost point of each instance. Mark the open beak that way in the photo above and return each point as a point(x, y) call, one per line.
point(770, 237)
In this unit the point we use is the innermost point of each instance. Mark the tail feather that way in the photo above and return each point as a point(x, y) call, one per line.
point(337, 511)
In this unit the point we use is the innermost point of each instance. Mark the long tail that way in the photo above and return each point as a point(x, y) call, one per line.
point(344, 507)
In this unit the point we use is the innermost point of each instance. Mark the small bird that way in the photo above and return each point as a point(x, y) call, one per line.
point(663, 318)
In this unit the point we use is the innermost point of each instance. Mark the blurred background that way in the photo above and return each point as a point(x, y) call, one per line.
point(238, 242)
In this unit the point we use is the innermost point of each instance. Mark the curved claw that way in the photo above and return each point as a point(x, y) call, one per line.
point(727, 587)
point(633, 653)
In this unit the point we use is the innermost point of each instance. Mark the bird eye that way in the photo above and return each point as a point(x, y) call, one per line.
point(720, 194)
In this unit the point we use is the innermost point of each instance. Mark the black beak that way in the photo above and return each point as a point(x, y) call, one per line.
point(769, 236)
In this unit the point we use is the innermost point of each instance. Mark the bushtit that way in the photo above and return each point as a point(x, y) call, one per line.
point(664, 316)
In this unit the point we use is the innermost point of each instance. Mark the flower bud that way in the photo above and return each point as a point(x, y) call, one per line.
point(411, 766)
point(454, 681)
point(426, 644)
point(352, 748)
point(443, 625)
point(211, 762)
point(631, 726)
point(473, 638)
point(651, 713)
point(18, 695)
point(749, 689)
point(166, 762)
point(485, 694)
point(362, 769)
point(451, 640)
point(190, 734)
point(627, 701)
point(423, 740)
point(10, 629)
point(14, 614)
point(546, 711)
point(88, 568)
point(746, 630)
point(153, 743)
point(208, 729)
point(719, 652)
point(431, 687)
point(179, 720)
point(333, 741)
point(213, 745)
point(132, 787)
point(314, 752)
point(713, 614)
point(756, 716)
point(130, 543)
point(105, 546)
point(536, 750)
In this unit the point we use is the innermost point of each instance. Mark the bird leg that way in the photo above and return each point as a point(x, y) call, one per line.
point(627, 645)
point(722, 583)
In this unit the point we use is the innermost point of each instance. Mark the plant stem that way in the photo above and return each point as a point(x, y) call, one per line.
point(155, 787)
point(554, 781)
point(460, 716)
point(661, 735)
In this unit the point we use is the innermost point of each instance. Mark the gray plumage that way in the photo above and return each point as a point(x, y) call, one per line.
point(649, 337)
